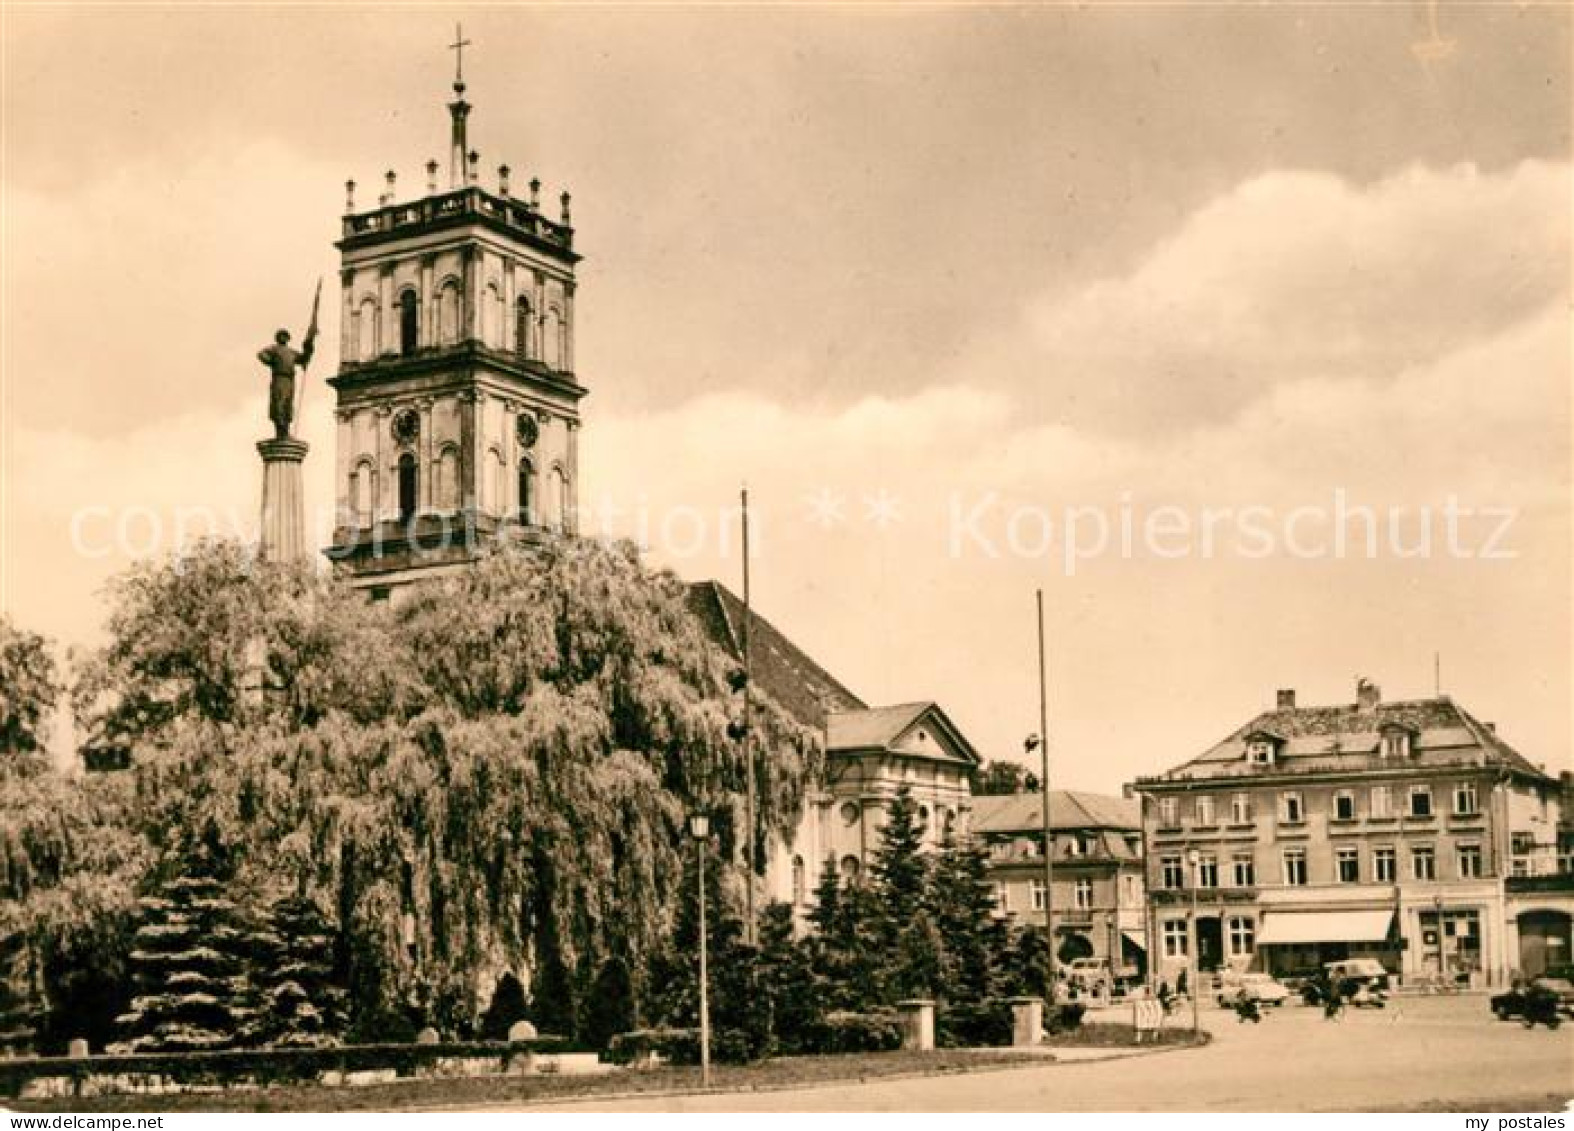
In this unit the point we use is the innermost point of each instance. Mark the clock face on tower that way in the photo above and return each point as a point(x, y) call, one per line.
point(406, 427)
point(526, 429)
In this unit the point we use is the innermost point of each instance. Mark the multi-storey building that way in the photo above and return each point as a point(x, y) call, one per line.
point(871, 753)
point(457, 397)
point(1375, 829)
point(1096, 850)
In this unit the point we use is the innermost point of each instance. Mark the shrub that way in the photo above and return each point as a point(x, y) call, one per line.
point(1065, 1017)
point(976, 1024)
point(679, 1046)
point(844, 1032)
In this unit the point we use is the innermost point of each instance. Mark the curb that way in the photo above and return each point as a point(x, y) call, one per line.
point(1043, 1061)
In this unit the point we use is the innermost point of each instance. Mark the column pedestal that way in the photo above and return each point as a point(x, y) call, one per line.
point(283, 501)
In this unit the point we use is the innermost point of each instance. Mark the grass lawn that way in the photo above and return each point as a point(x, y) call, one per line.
point(421, 1093)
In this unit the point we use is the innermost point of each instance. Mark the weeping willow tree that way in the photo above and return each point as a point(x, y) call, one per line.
point(491, 776)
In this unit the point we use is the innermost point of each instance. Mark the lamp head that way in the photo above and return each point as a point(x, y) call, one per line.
point(699, 826)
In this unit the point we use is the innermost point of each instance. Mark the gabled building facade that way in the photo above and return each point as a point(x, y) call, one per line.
point(1379, 829)
point(871, 752)
point(1098, 899)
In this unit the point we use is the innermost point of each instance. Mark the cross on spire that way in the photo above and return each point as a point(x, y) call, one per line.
point(458, 48)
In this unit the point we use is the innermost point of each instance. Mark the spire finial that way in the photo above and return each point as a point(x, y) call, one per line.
point(458, 48)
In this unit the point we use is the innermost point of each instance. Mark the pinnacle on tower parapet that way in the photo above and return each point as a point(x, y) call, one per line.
point(535, 192)
point(473, 175)
point(431, 177)
point(349, 196)
point(388, 193)
point(567, 218)
point(502, 180)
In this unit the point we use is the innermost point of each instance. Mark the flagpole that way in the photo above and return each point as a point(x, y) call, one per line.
point(1043, 785)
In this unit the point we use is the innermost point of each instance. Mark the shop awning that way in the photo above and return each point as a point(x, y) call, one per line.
point(1289, 927)
point(1136, 939)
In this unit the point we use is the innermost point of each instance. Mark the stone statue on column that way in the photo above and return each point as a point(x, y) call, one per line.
point(283, 500)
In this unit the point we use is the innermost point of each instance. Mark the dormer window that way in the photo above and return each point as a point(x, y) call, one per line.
point(1396, 742)
point(1261, 748)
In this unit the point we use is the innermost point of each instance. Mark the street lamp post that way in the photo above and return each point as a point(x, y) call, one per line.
point(1194, 858)
point(699, 829)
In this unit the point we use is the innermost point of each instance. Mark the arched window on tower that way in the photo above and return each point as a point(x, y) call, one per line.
point(408, 481)
point(522, 318)
point(363, 492)
point(448, 313)
point(409, 323)
point(552, 339)
point(366, 330)
point(562, 508)
point(527, 493)
point(492, 316)
point(446, 495)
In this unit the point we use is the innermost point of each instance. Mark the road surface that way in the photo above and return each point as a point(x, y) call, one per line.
point(1418, 1051)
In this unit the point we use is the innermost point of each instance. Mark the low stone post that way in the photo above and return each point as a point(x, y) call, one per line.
point(918, 1024)
point(1027, 1021)
point(77, 1049)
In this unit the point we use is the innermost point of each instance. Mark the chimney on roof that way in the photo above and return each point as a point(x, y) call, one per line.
point(1286, 698)
point(1492, 727)
point(1367, 694)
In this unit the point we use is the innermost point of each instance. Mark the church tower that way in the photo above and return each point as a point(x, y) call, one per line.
point(457, 403)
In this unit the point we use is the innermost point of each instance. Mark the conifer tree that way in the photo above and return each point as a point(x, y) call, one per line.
point(191, 971)
point(964, 913)
point(301, 1001)
point(787, 983)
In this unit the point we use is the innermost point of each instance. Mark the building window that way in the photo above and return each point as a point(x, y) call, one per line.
point(1469, 858)
point(1291, 811)
point(1241, 809)
point(1169, 812)
point(563, 518)
point(850, 868)
point(1382, 801)
point(1243, 870)
point(850, 812)
point(1131, 891)
point(448, 313)
point(1384, 869)
point(409, 323)
point(1037, 889)
point(1204, 810)
point(1171, 875)
point(1243, 937)
point(1260, 752)
point(1423, 862)
point(1295, 867)
point(366, 330)
point(408, 480)
point(1344, 805)
point(1347, 865)
point(799, 880)
point(526, 511)
point(1207, 871)
point(1082, 895)
point(1466, 801)
point(1420, 801)
point(1003, 896)
point(522, 328)
point(1076, 845)
point(1176, 939)
point(1396, 743)
point(552, 339)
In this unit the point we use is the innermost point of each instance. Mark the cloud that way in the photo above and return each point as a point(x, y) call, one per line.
point(1394, 399)
point(1297, 275)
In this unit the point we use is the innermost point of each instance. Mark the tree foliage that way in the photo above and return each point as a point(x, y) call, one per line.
point(29, 690)
point(490, 775)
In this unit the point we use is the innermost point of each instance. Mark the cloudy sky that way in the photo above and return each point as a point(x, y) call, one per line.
point(952, 289)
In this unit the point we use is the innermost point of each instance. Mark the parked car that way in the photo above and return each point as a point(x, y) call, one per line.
point(1512, 1003)
point(1261, 988)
